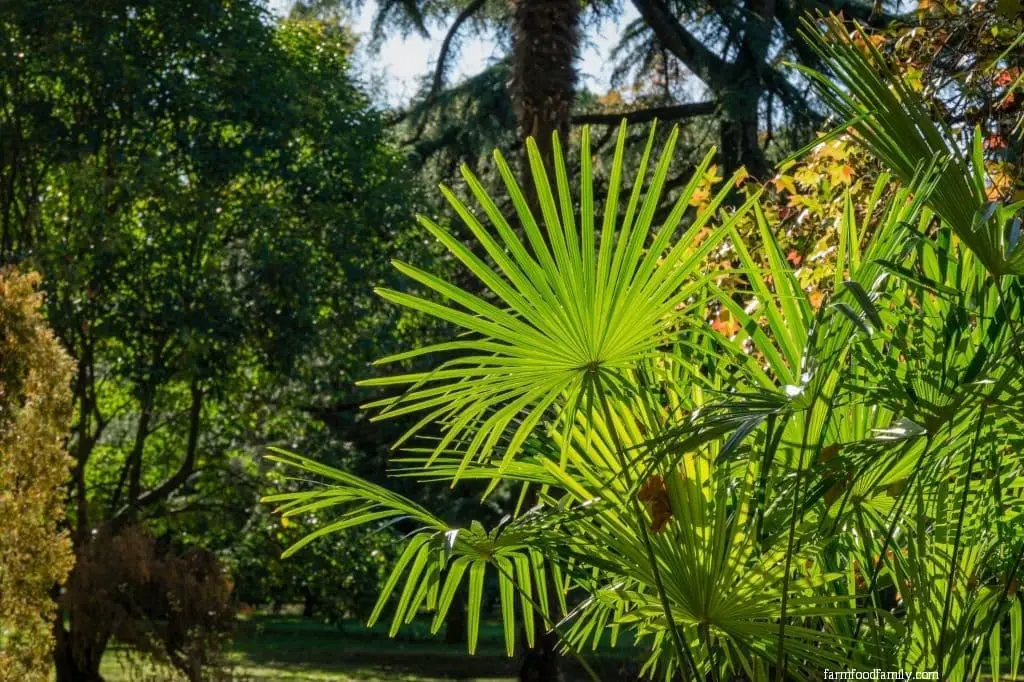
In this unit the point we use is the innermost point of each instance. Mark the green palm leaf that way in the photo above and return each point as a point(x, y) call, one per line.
point(574, 308)
point(437, 557)
point(894, 123)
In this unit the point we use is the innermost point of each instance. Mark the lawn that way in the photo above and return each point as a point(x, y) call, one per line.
point(273, 649)
point(290, 649)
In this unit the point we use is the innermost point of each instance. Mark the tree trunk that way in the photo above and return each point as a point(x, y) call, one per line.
point(544, 49)
point(739, 136)
point(78, 647)
point(308, 605)
point(73, 663)
point(540, 664)
point(545, 46)
point(740, 145)
point(455, 624)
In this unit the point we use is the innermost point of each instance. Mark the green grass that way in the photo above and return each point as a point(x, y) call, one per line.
point(290, 649)
point(279, 649)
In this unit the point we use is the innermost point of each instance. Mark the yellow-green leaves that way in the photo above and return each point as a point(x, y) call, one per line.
point(35, 411)
point(892, 120)
point(572, 307)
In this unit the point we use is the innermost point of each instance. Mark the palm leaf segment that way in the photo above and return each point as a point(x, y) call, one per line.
point(723, 584)
point(574, 305)
point(438, 559)
point(894, 123)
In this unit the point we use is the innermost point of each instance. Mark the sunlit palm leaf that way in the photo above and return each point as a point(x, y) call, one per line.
point(575, 309)
point(438, 558)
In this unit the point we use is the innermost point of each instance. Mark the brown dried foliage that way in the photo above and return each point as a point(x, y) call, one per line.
point(654, 496)
point(169, 607)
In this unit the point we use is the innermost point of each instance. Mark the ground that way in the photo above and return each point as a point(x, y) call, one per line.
point(280, 649)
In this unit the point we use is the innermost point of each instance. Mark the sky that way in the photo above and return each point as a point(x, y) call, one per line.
point(399, 65)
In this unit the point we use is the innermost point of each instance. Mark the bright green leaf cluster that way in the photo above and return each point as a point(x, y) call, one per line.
point(831, 485)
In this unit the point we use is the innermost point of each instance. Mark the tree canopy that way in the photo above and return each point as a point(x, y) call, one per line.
point(716, 64)
point(209, 197)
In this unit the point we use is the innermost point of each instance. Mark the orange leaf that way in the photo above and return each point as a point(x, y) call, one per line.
point(725, 324)
point(700, 197)
point(741, 176)
point(654, 496)
point(1006, 76)
point(841, 174)
point(995, 141)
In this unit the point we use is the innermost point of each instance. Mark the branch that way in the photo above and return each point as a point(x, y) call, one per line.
point(798, 103)
point(665, 113)
point(442, 57)
point(680, 180)
point(873, 14)
point(704, 63)
point(419, 111)
point(437, 81)
point(176, 480)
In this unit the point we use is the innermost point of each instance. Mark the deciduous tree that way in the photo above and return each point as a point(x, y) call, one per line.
point(209, 198)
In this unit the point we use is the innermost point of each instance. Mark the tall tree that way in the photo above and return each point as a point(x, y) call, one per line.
point(207, 195)
point(545, 49)
point(717, 61)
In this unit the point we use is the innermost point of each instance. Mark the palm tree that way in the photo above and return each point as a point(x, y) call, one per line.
point(545, 48)
point(730, 50)
point(832, 488)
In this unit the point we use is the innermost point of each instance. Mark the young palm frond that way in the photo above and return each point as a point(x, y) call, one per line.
point(576, 306)
point(951, 356)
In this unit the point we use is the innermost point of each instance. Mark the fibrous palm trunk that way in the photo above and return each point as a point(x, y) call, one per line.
point(545, 46)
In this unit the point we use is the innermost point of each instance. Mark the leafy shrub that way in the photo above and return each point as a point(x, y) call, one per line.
point(169, 607)
point(336, 579)
point(35, 410)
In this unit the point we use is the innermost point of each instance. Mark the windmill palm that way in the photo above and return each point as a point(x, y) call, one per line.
point(828, 489)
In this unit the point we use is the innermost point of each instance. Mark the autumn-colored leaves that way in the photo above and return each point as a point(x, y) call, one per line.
point(654, 496)
point(35, 410)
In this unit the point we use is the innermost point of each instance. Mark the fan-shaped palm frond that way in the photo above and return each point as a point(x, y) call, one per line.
point(575, 307)
point(438, 558)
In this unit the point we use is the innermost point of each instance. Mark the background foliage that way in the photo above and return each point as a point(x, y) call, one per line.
point(206, 193)
point(210, 198)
